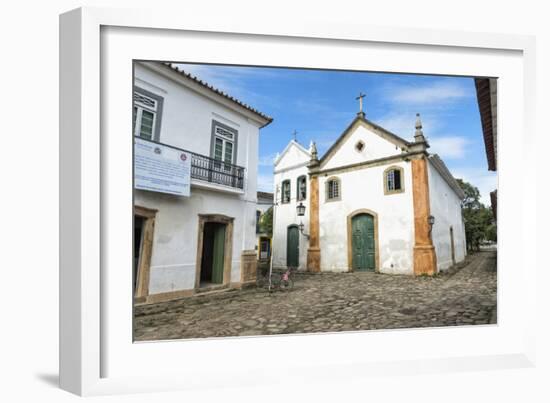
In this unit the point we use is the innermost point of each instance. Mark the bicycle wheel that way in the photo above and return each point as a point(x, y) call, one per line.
point(286, 284)
point(275, 281)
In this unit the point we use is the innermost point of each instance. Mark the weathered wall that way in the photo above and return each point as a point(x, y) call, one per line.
point(364, 189)
point(446, 209)
point(187, 123)
point(173, 261)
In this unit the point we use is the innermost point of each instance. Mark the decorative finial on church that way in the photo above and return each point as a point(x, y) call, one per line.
point(418, 134)
point(294, 134)
point(313, 150)
point(360, 99)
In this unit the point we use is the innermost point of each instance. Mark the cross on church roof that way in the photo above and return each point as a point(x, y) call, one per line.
point(294, 134)
point(360, 98)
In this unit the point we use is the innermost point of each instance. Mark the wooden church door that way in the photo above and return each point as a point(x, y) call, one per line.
point(362, 230)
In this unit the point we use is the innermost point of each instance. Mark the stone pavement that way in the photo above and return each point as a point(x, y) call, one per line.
point(328, 302)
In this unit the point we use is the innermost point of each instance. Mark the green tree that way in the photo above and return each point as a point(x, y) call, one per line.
point(478, 219)
point(266, 222)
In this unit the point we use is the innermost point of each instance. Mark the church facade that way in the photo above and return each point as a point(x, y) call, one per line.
point(373, 202)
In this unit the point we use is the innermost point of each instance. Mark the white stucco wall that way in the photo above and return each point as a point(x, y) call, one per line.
point(375, 147)
point(186, 123)
point(175, 241)
point(364, 189)
point(446, 208)
point(360, 189)
point(291, 165)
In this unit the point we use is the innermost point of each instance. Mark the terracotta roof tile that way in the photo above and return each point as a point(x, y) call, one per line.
point(217, 91)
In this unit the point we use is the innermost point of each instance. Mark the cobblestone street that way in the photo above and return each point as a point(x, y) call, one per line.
point(466, 295)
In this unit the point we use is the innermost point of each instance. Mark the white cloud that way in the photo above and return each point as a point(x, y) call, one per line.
point(265, 182)
point(449, 147)
point(267, 160)
point(435, 93)
point(485, 181)
point(402, 124)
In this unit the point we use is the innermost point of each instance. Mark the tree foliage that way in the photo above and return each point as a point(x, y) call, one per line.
point(478, 219)
point(266, 222)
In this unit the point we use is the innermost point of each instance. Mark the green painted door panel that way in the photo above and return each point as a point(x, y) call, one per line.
point(292, 247)
point(218, 254)
point(363, 250)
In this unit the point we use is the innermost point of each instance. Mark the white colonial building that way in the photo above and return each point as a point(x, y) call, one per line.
point(207, 240)
point(374, 201)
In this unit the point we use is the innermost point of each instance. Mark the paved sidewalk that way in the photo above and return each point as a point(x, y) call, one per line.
point(332, 302)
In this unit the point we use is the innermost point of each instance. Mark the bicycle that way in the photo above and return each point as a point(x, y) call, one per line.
point(287, 282)
point(263, 280)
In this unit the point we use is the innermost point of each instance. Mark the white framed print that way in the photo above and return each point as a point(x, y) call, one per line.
point(233, 190)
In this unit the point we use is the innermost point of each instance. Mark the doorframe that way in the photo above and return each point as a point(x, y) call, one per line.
point(453, 251)
point(298, 228)
point(227, 251)
point(144, 262)
point(350, 238)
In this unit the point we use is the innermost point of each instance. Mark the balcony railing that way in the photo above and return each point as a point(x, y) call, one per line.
point(211, 170)
point(208, 169)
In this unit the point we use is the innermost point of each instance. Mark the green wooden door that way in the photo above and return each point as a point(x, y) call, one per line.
point(218, 254)
point(292, 246)
point(362, 232)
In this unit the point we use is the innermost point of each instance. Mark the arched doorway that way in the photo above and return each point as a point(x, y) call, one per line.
point(292, 246)
point(363, 241)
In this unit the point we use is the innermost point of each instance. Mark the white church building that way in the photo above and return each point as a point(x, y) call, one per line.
point(204, 238)
point(373, 202)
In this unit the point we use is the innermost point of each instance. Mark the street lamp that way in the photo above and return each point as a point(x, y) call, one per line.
point(431, 221)
point(300, 209)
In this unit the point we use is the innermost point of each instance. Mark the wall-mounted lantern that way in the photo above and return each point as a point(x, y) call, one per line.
point(431, 221)
point(300, 209)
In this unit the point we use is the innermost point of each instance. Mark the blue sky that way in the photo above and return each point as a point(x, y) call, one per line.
point(320, 104)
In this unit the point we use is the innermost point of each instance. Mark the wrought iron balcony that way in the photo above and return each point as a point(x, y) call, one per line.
point(215, 171)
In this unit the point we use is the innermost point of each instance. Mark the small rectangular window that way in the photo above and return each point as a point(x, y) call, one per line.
point(225, 143)
point(285, 190)
point(393, 180)
point(333, 189)
point(146, 114)
point(301, 190)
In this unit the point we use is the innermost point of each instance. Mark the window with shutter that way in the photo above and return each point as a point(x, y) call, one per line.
point(285, 192)
point(224, 145)
point(146, 114)
point(301, 188)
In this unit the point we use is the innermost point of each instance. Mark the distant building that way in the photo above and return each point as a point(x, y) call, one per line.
point(207, 240)
point(265, 203)
point(486, 89)
point(374, 201)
